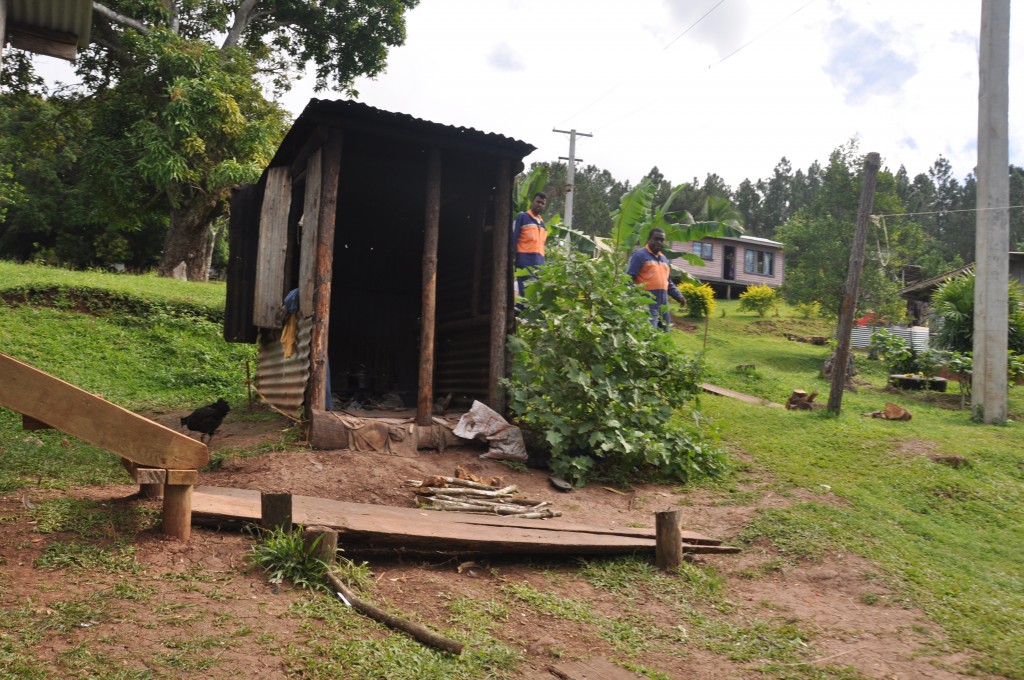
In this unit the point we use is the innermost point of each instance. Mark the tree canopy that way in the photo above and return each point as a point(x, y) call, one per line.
point(175, 90)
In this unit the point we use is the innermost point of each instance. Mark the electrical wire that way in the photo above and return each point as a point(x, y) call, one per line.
point(763, 33)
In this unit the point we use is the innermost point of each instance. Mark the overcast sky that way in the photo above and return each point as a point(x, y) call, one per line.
point(699, 86)
point(732, 92)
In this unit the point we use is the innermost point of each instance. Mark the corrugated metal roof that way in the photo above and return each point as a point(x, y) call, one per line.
point(337, 112)
point(66, 16)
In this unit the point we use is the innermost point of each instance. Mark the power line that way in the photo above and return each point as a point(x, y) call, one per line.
point(762, 33)
point(670, 43)
point(945, 212)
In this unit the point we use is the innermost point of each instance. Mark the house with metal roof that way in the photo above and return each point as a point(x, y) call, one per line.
point(731, 264)
point(392, 233)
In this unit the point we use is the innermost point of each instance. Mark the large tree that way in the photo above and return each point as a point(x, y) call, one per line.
point(178, 88)
point(819, 237)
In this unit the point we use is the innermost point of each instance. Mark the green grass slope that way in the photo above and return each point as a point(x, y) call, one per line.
point(951, 537)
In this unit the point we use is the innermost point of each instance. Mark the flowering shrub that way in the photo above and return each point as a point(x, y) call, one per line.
point(700, 300)
point(758, 298)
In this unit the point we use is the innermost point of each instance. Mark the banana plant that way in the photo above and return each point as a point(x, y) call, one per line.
point(637, 215)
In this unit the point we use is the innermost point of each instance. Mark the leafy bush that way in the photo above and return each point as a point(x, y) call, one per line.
point(759, 298)
point(894, 350)
point(599, 382)
point(700, 299)
point(808, 310)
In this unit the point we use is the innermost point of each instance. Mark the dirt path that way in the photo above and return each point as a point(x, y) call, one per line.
point(852, 620)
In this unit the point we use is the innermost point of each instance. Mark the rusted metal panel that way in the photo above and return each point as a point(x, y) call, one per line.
point(281, 381)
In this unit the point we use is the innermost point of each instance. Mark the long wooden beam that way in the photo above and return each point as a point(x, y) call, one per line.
point(72, 410)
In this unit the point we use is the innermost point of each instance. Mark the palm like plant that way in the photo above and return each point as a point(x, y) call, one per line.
point(952, 311)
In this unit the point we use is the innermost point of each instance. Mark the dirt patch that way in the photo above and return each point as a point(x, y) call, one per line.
point(204, 590)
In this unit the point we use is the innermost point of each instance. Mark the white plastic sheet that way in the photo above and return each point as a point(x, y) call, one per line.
point(481, 422)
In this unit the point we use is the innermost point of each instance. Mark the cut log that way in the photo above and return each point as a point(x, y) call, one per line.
point(321, 542)
point(668, 548)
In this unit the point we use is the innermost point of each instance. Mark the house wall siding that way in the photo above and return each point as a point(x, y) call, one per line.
point(712, 269)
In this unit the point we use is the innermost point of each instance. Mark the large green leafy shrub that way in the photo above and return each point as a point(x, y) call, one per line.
point(700, 299)
point(600, 383)
point(759, 299)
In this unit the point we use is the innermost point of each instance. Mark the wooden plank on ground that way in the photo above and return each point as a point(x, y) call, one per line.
point(723, 392)
point(429, 530)
point(74, 411)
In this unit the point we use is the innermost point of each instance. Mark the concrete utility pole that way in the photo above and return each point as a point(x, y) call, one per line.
point(992, 239)
point(571, 174)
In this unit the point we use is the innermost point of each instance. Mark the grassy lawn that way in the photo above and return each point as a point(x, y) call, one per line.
point(951, 537)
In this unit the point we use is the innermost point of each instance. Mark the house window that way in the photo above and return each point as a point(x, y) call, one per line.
point(704, 251)
point(759, 262)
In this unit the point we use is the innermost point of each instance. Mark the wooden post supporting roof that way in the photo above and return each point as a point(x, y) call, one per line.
point(330, 171)
point(432, 228)
point(500, 276)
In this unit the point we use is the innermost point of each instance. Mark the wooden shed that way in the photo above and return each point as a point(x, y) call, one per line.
point(395, 232)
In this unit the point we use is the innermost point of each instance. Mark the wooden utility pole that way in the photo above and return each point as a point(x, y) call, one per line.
point(992, 238)
point(842, 355)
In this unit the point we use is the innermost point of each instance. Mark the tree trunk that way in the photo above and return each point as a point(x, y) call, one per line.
point(188, 236)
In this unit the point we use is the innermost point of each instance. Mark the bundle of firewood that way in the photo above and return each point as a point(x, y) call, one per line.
point(467, 493)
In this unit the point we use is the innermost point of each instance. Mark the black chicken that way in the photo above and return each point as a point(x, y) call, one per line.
point(207, 419)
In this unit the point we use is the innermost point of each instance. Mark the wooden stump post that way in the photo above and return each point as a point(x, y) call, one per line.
point(177, 520)
point(668, 546)
point(276, 510)
point(326, 548)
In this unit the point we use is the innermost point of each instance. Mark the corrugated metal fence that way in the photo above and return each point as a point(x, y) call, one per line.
point(917, 336)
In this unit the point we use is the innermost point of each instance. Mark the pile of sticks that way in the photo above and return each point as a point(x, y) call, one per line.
point(468, 495)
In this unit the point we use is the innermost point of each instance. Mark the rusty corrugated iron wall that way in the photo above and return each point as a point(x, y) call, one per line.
point(282, 381)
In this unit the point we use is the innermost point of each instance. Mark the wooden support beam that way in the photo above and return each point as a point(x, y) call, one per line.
point(668, 540)
point(276, 510)
point(307, 249)
point(41, 396)
point(432, 227)
point(182, 477)
point(330, 173)
point(501, 274)
point(144, 475)
point(178, 511)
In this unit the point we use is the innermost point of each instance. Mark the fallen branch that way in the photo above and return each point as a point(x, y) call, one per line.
point(454, 481)
point(415, 630)
point(477, 493)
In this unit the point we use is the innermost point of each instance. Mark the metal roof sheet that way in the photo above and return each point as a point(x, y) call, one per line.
point(338, 112)
point(66, 16)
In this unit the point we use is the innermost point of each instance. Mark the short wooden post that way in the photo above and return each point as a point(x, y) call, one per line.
point(276, 510)
point(178, 503)
point(324, 549)
point(668, 540)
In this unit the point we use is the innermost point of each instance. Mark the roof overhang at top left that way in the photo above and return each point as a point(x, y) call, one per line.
point(56, 28)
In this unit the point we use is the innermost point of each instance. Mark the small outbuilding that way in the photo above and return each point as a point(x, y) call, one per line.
point(392, 233)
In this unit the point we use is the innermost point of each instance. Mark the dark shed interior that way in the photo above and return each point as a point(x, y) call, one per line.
point(378, 253)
